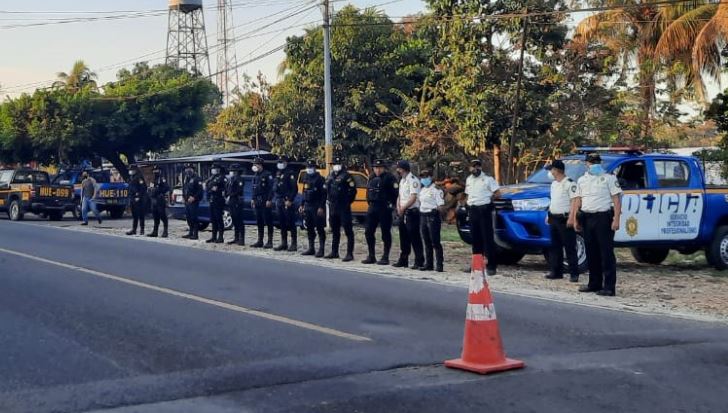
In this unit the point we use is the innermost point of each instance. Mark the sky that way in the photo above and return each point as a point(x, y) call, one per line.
point(32, 55)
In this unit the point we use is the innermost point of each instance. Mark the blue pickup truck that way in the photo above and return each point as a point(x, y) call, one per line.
point(111, 196)
point(667, 205)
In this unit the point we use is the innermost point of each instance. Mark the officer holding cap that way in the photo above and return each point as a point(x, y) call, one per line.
point(285, 187)
point(480, 190)
point(313, 209)
point(192, 193)
point(137, 199)
point(599, 199)
point(158, 191)
point(234, 191)
point(408, 211)
point(563, 235)
point(382, 193)
point(340, 193)
point(215, 186)
point(263, 203)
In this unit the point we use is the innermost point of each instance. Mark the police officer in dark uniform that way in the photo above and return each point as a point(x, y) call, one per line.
point(215, 186)
point(340, 193)
point(285, 187)
point(313, 209)
point(158, 191)
point(262, 203)
point(192, 193)
point(382, 193)
point(137, 199)
point(234, 190)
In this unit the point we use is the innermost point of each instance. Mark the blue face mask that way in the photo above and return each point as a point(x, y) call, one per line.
point(426, 181)
point(596, 169)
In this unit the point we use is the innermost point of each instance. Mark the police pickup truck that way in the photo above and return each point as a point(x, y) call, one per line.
point(30, 191)
point(666, 205)
point(111, 196)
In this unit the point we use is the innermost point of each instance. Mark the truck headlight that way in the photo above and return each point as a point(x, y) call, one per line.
point(535, 204)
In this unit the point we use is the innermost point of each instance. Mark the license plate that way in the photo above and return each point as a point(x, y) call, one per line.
point(113, 193)
point(48, 192)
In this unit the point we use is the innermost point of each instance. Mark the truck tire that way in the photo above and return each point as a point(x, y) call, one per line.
point(653, 256)
point(227, 220)
point(15, 212)
point(116, 213)
point(580, 253)
point(55, 215)
point(717, 252)
point(509, 257)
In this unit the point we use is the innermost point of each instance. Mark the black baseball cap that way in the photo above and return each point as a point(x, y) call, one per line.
point(380, 162)
point(258, 161)
point(311, 163)
point(556, 165)
point(593, 158)
point(475, 162)
point(404, 165)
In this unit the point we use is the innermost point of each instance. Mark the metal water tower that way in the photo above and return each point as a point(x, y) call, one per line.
point(186, 37)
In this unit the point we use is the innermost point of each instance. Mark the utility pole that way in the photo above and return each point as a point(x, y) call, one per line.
point(227, 72)
point(328, 116)
point(514, 123)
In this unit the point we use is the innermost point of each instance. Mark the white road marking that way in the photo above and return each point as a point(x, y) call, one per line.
point(192, 297)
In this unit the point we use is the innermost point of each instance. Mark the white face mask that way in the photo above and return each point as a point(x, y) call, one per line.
point(256, 168)
point(281, 166)
point(231, 174)
point(215, 171)
point(337, 168)
point(310, 171)
point(551, 176)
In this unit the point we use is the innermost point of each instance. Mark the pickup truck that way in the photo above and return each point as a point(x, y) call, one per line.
point(30, 191)
point(666, 205)
point(111, 196)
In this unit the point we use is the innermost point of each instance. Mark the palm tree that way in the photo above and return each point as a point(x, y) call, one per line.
point(79, 78)
point(673, 43)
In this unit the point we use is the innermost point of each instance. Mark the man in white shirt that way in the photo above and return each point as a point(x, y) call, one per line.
point(480, 190)
point(431, 199)
point(563, 235)
point(599, 199)
point(408, 211)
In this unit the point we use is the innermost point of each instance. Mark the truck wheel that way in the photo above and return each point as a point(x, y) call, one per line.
point(580, 256)
point(55, 215)
point(116, 213)
point(15, 212)
point(650, 255)
point(201, 226)
point(227, 220)
point(509, 257)
point(717, 252)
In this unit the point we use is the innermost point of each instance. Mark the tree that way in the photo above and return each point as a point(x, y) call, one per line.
point(80, 77)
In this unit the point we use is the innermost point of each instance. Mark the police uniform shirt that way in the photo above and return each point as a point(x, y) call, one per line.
point(596, 192)
point(480, 189)
point(408, 186)
point(430, 199)
point(561, 195)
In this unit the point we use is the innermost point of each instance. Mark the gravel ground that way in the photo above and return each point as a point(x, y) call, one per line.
point(683, 286)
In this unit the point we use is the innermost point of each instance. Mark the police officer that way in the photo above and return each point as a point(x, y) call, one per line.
point(137, 199)
point(313, 209)
point(262, 203)
point(340, 194)
point(480, 190)
point(563, 236)
point(192, 193)
point(408, 211)
point(215, 186)
point(599, 199)
point(285, 186)
point(234, 191)
point(158, 191)
point(431, 200)
point(382, 193)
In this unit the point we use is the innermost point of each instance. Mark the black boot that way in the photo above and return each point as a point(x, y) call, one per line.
point(164, 232)
point(213, 238)
point(284, 242)
point(349, 250)
point(294, 241)
point(195, 234)
point(241, 238)
point(220, 239)
point(131, 232)
point(310, 250)
point(259, 244)
point(402, 262)
point(153, 234)
point(188, 235)
point(334, 254)
point(237, 238)
point(385, 257)
point(320, 253)
point(141, 231)
point(269, 244)
point(369, 260)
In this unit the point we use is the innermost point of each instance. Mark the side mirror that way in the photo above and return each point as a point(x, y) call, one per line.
point(4, 185)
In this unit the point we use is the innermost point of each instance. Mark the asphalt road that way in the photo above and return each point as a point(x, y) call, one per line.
point(102, 323)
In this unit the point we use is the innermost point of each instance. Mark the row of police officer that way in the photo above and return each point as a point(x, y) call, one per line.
point(155, 195)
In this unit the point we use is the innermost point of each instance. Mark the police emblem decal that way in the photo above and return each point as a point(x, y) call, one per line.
point(632, 227)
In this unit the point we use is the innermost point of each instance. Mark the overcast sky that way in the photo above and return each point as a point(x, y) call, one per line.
point(36, 53)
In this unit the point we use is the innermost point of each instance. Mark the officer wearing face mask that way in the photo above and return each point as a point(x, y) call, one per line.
point(313, 209)
point(408, 211)
point(382, 193)
point(215, 186)
point(262, 203)
point(598, 196)
point(137, 199)
point(234, 191)
point(340, 194)
point(431, 200)
point(480, 190)
point(158, 191)
point(285, 187)
point(563, 236)
point(192, 193)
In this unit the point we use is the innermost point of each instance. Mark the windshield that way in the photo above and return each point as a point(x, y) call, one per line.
point(575, 168)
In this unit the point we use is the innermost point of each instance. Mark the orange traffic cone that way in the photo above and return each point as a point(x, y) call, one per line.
point(482, 346)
